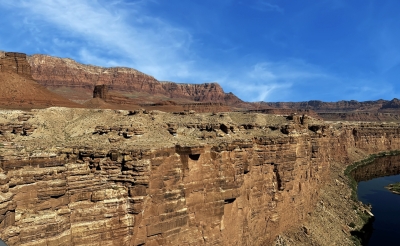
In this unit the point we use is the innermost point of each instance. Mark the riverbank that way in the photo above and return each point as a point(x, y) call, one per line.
point(336, 218)
point(339, 217)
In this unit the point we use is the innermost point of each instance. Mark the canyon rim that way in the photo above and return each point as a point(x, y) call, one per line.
point(71, 175)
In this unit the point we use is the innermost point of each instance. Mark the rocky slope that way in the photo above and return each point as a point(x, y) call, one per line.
point(58, 73)
point(19, 90)
point(85, 177)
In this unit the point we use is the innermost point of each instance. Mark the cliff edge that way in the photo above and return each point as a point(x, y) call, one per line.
point(114, 177)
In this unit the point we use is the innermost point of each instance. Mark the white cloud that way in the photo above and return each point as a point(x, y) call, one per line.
point(290, 69)
point(117, 33)
point(272, 81)
point(148, 43)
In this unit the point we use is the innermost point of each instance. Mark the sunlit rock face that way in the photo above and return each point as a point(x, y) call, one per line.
point(112, 177)
point(54, 72)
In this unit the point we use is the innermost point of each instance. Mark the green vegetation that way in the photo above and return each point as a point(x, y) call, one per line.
point(395, 188)
point(368, 160)
point(357, 235)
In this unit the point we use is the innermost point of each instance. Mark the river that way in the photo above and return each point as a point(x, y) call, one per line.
point(372, 180)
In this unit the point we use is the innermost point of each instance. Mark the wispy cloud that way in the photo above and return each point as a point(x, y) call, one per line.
point(274, 81)
point(264, 5)
point(145, 41)
point(127, 33)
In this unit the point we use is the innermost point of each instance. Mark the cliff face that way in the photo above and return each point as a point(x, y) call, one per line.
point(19, 90)
point(56, 72)
point(15, 63)
point(84, 177)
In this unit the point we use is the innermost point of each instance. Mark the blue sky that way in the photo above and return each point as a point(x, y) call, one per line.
point(270, 50)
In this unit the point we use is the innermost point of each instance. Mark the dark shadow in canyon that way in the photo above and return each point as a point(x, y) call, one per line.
point(380, 167)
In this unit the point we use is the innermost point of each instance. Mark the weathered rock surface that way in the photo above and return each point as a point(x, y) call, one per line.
point(15, 62)
point(104, 98)
point(19, 90)
point(131, 87)
point(85, 177)
point(53, 72)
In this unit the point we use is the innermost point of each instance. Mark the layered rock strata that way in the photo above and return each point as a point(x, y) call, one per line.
point(54, 73)
point(76, 82)
point(117, 101)
point(16, 63)
point(85, 177)
point(17, 88)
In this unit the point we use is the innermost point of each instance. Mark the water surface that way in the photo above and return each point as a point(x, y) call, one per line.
point(385, 204)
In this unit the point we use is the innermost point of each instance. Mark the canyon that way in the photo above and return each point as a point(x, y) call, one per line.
point(82, 176)
point(71, 175)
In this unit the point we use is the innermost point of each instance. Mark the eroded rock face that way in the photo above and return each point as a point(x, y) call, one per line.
point(62, 72)
point(19, 91)
point(67, 184)
point(15, 63)
point(100, 91)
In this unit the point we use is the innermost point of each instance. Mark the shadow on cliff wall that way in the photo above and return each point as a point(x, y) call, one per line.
point(380, 167)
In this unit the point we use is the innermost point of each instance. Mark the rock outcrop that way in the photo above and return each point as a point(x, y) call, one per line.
point(19, 91)
point(15, 63)
point(85, 177)
point(53, 72)
point(100, 91)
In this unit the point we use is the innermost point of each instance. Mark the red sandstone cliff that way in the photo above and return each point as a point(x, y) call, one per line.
point(19, 90)
point(76, 81)
point(56, 73)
